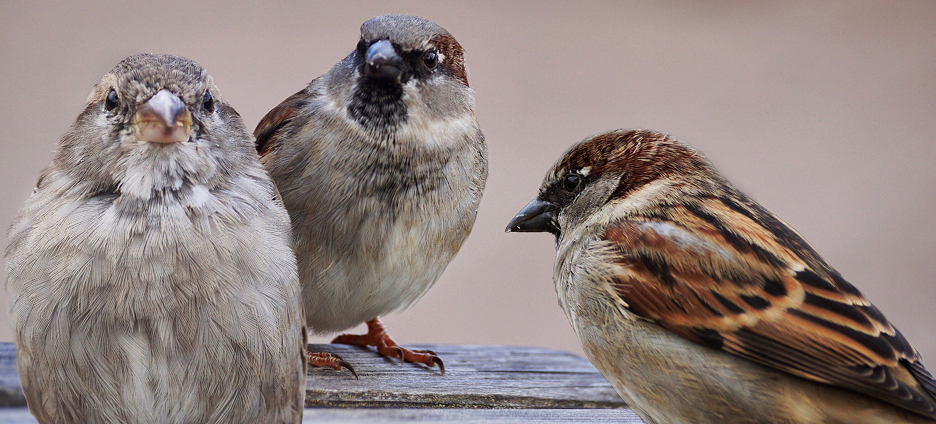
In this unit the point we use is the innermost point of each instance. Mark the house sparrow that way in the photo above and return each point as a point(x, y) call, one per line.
point(700, 306)
point(151, 274)
point(381, 165)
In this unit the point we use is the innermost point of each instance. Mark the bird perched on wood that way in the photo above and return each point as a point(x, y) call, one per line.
point(700, 306)
point(151, 274)
point(381, 164)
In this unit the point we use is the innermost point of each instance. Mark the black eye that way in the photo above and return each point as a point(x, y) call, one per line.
point(111, 101)
point(208, 102)
point(431, 59)
point(572, 181)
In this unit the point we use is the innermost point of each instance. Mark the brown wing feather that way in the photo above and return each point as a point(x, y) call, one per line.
point(759, 291)
point(276, 119)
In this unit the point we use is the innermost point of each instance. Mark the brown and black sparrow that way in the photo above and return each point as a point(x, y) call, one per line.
point(151, 274)
point(700, 306)
point(381, 165)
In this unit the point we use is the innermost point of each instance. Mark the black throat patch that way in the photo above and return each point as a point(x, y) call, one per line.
point(378, 105)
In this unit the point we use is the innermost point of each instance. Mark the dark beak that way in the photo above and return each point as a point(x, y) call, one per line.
point(382, 61)
point(164, 118)
point(536, 216)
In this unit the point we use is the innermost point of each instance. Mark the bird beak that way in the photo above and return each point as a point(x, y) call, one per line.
point(382, 61)
point(536, 216)
point(163, 119)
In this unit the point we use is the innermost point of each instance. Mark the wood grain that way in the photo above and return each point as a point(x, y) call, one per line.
point(475, 377)
point(394, 416)
point(11, 394)
point(481, 383)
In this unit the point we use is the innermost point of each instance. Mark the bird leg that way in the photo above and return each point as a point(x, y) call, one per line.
point(378, 337)
point(332, 360)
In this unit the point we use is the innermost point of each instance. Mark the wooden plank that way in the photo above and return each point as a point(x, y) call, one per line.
point(475, 377)
point(481, 383)
point(392, 416)
point(334, 415)
point(11, 394)
point(21, 415)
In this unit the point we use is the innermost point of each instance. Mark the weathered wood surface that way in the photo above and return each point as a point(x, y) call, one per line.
point(475, 377)
point(11, 394)
point(395, 416)
point(481, 383)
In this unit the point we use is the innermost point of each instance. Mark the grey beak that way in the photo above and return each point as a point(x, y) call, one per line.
point(536, 216)
point(382, 61)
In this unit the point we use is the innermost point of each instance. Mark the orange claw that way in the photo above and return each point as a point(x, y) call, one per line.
point(378, 337)
point(332, 360)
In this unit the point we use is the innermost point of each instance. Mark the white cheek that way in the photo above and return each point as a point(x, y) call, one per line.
point(422, 127)
point(646, 196)
point(640, 199)
point(437, 132)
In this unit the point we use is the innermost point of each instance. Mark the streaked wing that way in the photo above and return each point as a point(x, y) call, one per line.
point(275, 120)
point(759, 291)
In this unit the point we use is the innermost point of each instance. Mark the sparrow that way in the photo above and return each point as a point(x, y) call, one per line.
point(151, 272)
point(700, 306)
point(381, 165)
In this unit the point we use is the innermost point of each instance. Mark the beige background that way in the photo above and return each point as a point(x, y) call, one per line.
point(825, 112)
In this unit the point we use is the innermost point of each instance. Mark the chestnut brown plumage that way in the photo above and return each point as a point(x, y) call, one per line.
point(381, 164)
point(701, 306)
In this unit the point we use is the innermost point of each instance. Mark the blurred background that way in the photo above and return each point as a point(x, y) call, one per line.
point(824, 112)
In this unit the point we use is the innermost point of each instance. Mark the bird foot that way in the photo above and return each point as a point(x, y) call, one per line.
point(378, 337)
point(331, 360)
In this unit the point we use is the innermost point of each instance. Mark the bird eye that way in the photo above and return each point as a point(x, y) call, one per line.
point(572, 181)
point(111, 102)
point(208, 102)
point(431, 59)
